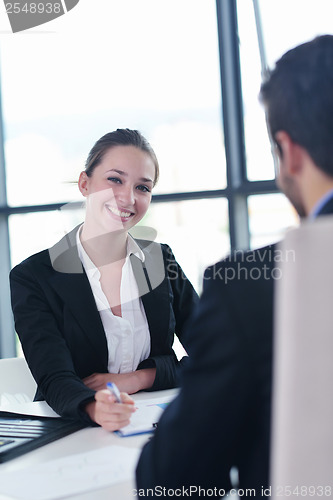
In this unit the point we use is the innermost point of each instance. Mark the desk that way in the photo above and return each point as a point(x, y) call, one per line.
point(88, 439)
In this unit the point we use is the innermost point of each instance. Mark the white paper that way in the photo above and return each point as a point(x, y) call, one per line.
point(71, 475)
point(19, 397)
point(35, 408)
point(148, 412)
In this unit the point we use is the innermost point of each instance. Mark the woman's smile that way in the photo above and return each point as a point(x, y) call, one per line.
point(122, 213)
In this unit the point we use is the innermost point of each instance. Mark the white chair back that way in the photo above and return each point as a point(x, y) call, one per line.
point(302, 418)
point(16, 381)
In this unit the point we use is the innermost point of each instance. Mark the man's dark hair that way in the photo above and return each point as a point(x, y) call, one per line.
point(298, 96)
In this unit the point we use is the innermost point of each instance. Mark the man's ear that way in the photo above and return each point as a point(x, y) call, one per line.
point(291, 152)
point(83, 183)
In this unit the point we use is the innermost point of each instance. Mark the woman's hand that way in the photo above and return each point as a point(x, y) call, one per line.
point(127, 382)
point(109, 414)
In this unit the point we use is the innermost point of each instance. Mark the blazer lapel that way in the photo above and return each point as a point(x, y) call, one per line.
point(70, 281)
point(154, 292)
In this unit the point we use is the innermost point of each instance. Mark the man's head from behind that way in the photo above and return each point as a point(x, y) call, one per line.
point(298, 97)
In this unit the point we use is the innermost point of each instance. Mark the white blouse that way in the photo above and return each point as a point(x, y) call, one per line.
point(128, 337)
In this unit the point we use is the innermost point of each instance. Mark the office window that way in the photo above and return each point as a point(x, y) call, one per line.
point(284, 25)
point(32, 232)
point(196, 230)
point(270, 216)
point(287, 24)
point(259, 164)
point(155, 70)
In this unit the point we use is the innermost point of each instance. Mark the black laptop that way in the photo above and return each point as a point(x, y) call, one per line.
point(22, 433)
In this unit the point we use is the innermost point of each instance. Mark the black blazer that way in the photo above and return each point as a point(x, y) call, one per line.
point(222, 416)
point(61, 331)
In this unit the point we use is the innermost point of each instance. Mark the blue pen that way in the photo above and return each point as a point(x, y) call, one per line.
point(114, 390)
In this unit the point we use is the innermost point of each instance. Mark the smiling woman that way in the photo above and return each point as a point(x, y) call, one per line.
point(101, 306)
point(120, 174)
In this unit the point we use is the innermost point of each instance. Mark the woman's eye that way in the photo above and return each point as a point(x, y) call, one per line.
point(143, 188)
point(114, 179)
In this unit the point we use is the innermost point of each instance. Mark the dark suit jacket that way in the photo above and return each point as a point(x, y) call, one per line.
point(61, 331)
point(221, 418)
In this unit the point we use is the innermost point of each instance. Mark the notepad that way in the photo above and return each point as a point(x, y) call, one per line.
point(147, 414)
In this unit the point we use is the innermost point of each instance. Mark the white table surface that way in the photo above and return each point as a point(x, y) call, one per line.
point(84, 440)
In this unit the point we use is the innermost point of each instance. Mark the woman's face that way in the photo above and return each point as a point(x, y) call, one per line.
point(119, 190)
